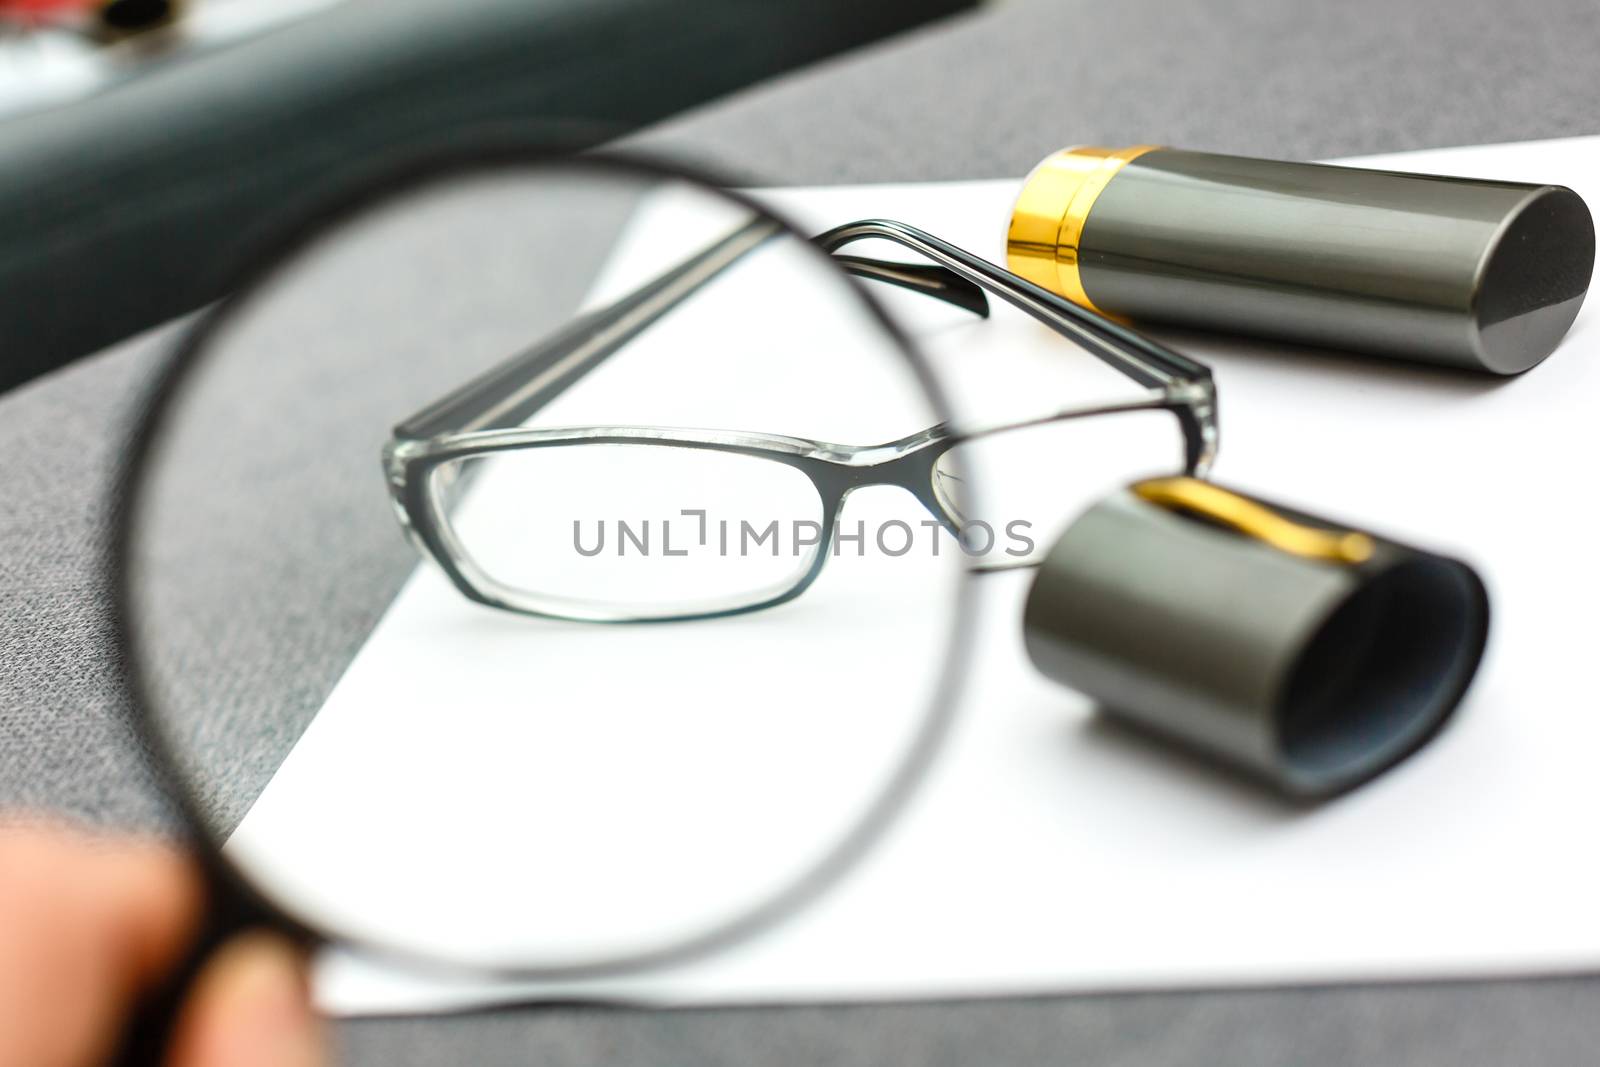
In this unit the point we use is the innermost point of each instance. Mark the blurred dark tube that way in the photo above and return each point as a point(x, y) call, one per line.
point(121, 211)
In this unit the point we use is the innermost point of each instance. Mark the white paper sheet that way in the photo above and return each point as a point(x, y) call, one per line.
point(1049, 854)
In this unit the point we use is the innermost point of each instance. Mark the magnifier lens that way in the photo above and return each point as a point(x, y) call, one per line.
point(482, 579)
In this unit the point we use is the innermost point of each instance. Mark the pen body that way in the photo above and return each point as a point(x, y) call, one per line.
point(1476, 274)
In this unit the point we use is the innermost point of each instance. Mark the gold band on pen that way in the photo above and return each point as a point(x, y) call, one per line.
point(1047, 222)
point(1255, 520)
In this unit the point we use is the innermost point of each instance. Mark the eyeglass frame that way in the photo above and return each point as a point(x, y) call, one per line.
point(471, 422)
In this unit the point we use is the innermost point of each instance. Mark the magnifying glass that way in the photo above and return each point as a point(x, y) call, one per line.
point(503, 573)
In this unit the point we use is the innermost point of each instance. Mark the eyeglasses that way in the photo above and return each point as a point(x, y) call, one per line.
point(769, 508)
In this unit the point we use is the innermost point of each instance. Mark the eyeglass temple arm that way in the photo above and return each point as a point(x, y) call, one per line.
point(1198, 448)
point(925, 278)
point(1146, 361)
point(507, 394)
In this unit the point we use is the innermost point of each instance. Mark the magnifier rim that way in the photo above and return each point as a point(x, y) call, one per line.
point(263, 263)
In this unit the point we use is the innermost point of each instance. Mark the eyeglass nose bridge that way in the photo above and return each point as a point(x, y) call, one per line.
point(910, 471)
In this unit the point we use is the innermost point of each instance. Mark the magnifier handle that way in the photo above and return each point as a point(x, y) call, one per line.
point(228, 912)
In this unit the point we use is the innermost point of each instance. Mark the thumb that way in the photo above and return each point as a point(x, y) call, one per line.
point(250, 1007)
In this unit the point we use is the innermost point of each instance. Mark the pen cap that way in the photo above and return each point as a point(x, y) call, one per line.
point(1475, 274)
point(1310, 654)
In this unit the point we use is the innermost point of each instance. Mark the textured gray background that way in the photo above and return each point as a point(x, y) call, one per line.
point(981, 96)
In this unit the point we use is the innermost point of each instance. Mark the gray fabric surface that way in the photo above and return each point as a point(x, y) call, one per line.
point(67, 742)
point(979, 96)
point(989, 95)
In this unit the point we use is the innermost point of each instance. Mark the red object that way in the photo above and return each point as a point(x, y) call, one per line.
point(43, 10)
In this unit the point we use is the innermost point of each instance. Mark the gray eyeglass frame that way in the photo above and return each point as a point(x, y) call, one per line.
point(485, 416)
